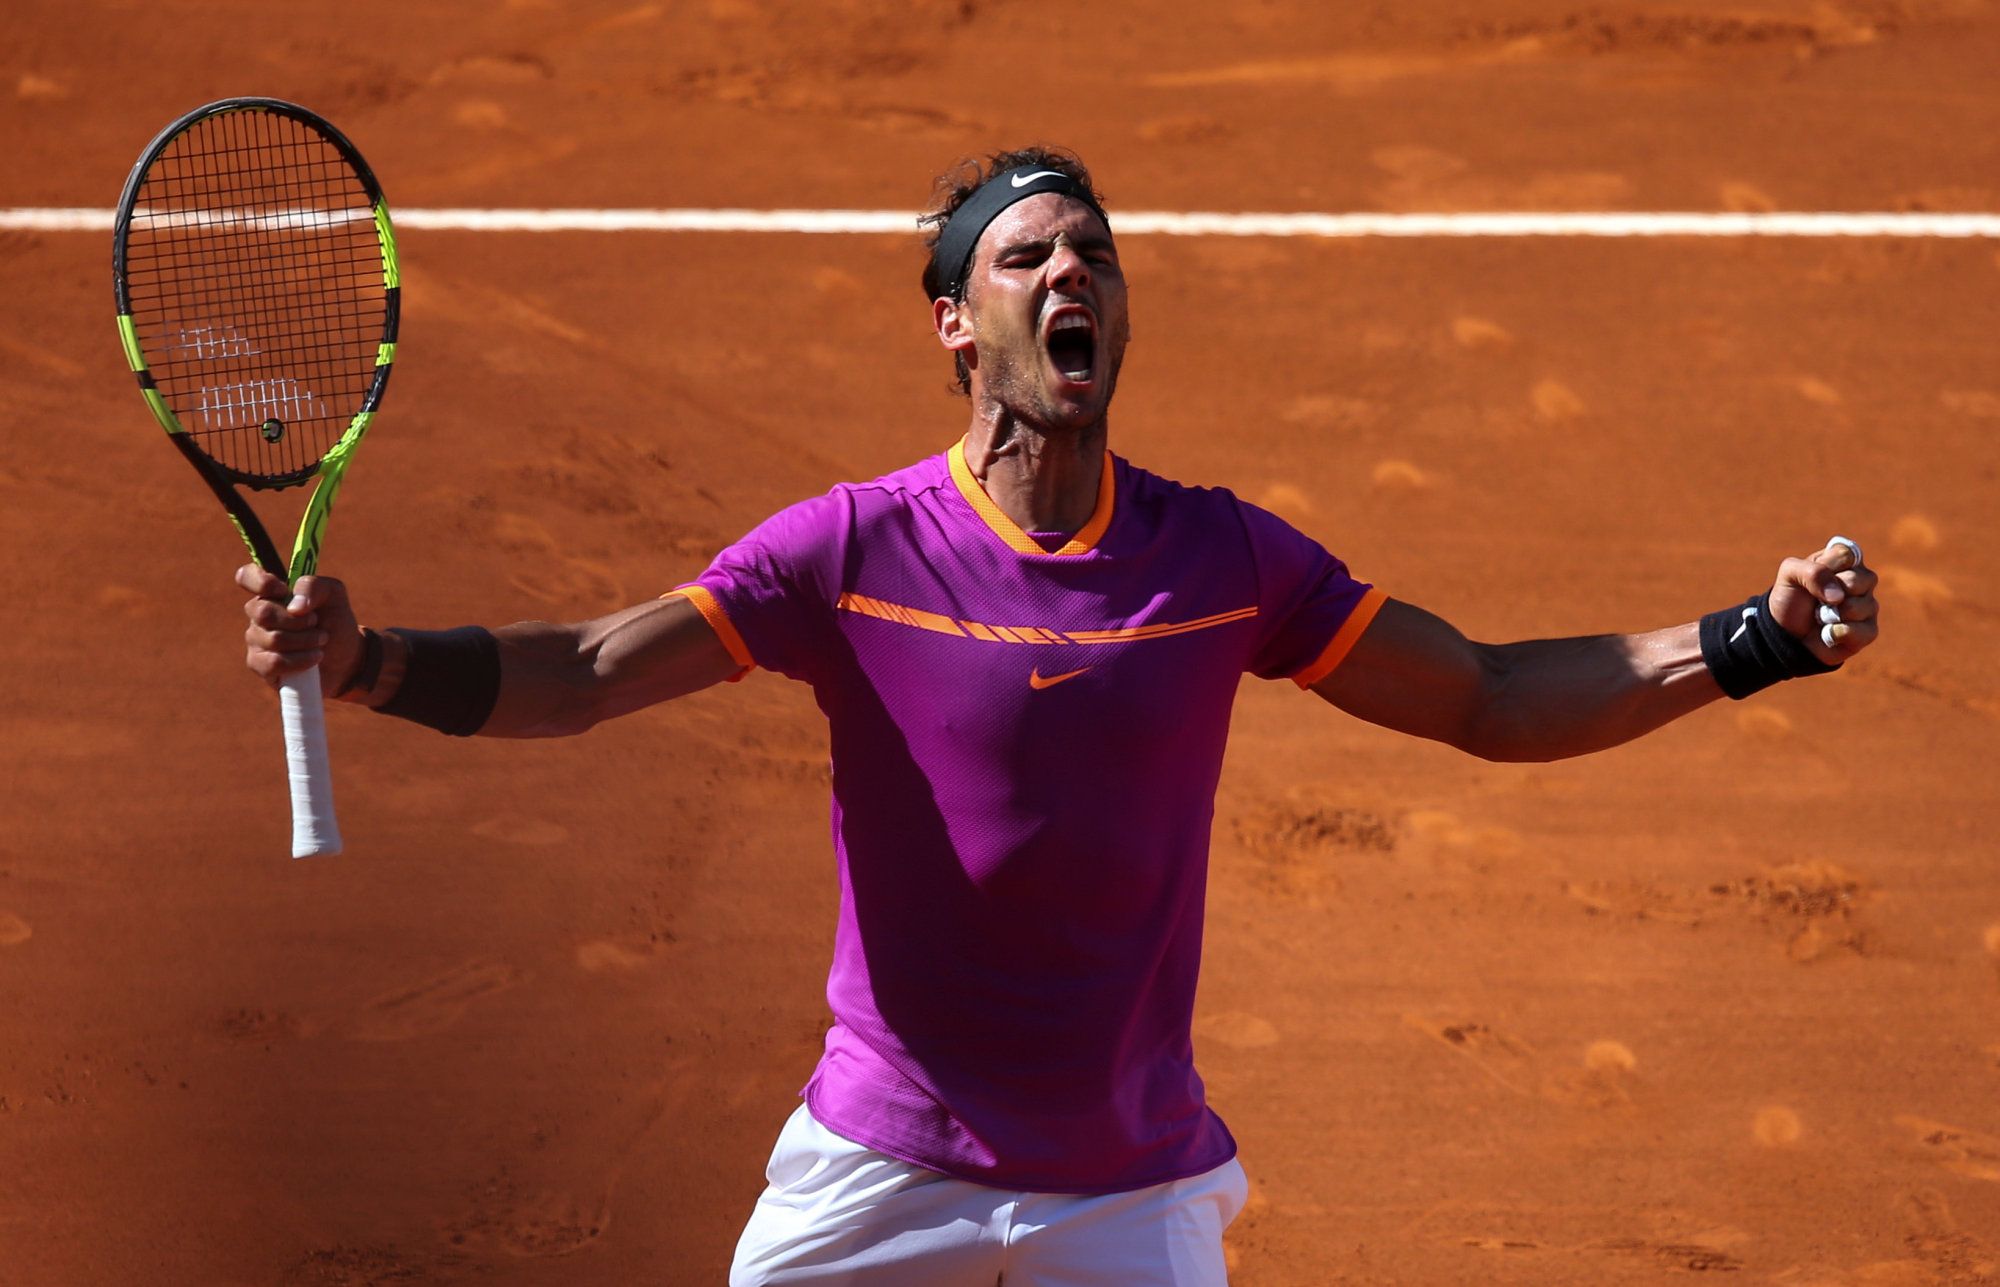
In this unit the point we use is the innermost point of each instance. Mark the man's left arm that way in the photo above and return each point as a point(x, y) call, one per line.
point(1548, 699)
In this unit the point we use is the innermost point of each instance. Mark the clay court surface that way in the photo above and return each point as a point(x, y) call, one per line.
point(1724, 1001)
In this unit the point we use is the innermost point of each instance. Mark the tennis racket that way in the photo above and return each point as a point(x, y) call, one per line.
point(255, 269)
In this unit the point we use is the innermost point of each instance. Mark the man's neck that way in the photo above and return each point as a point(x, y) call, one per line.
point(1045, 482)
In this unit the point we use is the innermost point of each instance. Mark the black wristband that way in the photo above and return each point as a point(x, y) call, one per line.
point(451, 678)
point(368, 669)
point(1747, 651)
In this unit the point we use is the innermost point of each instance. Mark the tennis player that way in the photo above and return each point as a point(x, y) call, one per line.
point(1027, 648)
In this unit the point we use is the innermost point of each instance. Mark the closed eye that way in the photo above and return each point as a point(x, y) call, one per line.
point(1032, 254)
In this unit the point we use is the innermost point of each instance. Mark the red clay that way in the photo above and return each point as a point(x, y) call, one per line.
point(1726, 999)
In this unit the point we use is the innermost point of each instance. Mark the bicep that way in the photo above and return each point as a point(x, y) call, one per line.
point(1413, 672)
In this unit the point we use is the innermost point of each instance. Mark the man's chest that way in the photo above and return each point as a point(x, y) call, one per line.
point(1087, 660)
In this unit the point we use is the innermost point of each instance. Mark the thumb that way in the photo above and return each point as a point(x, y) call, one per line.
point(1815, 577)
point(1809, 577)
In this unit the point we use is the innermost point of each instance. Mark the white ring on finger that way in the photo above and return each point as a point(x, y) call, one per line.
point(1829, 615)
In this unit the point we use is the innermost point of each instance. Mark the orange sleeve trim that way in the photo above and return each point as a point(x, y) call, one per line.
point(718, 621)
point(1344, 639)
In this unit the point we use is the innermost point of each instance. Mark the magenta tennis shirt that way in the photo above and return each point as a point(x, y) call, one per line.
point(1025, 744)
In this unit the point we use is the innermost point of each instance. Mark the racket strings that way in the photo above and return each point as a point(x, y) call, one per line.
point(256, 280)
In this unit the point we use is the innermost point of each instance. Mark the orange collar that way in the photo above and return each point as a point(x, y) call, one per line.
point(1009, 531)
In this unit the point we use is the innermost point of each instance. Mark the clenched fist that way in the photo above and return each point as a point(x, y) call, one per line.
point(297, 628)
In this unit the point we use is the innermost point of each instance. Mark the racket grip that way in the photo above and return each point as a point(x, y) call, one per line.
point(314, 831)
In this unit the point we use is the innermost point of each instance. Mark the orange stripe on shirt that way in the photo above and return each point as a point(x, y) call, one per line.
point(1162, 628)
point(901, 615)
point(904, 615)
point(711, 611)
point(1344, 639)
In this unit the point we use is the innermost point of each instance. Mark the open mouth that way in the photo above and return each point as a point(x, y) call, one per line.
point(1071, 339)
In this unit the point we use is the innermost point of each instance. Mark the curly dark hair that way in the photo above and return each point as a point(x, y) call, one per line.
point(952, 189)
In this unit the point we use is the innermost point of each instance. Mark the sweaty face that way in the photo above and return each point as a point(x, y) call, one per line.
point(1047, 304)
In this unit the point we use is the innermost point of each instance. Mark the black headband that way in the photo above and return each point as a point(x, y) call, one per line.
point(953, 255)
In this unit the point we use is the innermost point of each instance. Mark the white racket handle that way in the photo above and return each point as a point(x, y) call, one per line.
point(314, 831)
point(1829, 615)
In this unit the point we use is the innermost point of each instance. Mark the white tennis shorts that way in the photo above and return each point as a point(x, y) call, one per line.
point(839, 1212)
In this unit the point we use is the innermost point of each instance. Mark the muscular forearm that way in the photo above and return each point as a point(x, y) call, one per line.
point(1548, 699)
point(558, 680)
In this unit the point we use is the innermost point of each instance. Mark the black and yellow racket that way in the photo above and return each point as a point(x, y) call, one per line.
point(257, 286)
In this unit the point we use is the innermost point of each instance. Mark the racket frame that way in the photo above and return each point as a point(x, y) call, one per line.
point(314, 829)
point(331, 468)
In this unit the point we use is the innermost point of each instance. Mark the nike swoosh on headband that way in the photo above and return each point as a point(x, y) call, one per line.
point(953, 252)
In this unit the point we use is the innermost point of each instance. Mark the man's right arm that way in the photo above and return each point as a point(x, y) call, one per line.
point(555, 680)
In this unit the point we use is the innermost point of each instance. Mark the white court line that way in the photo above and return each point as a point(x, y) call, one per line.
point(1187, 224)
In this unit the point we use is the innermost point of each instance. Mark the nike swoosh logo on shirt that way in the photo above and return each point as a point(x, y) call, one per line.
point(1036, 679)
point(1023, 180)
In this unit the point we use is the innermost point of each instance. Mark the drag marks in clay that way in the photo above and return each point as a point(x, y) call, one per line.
point(1944, 1253)
point(508, 1215)
point(1505, 1059)
point(517, 829)
point(1814, 906)
point(46, 360)
point(251, 1024)
point(1677, 1245)
point(1447, 841)
point(1673, 1255)
point(430, 1006)
point(603, 955)
point(1236, 1030)
point(366, 1266)
point(529, 1224)
point(1601, 1078)
point(1294, 846)
point(1330, 412)
point(549, 574)
point(1969, 1153)
point(13, 930)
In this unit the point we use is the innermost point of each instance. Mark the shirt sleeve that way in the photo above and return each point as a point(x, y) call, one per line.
point(770, 596)
point(1311, 610)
